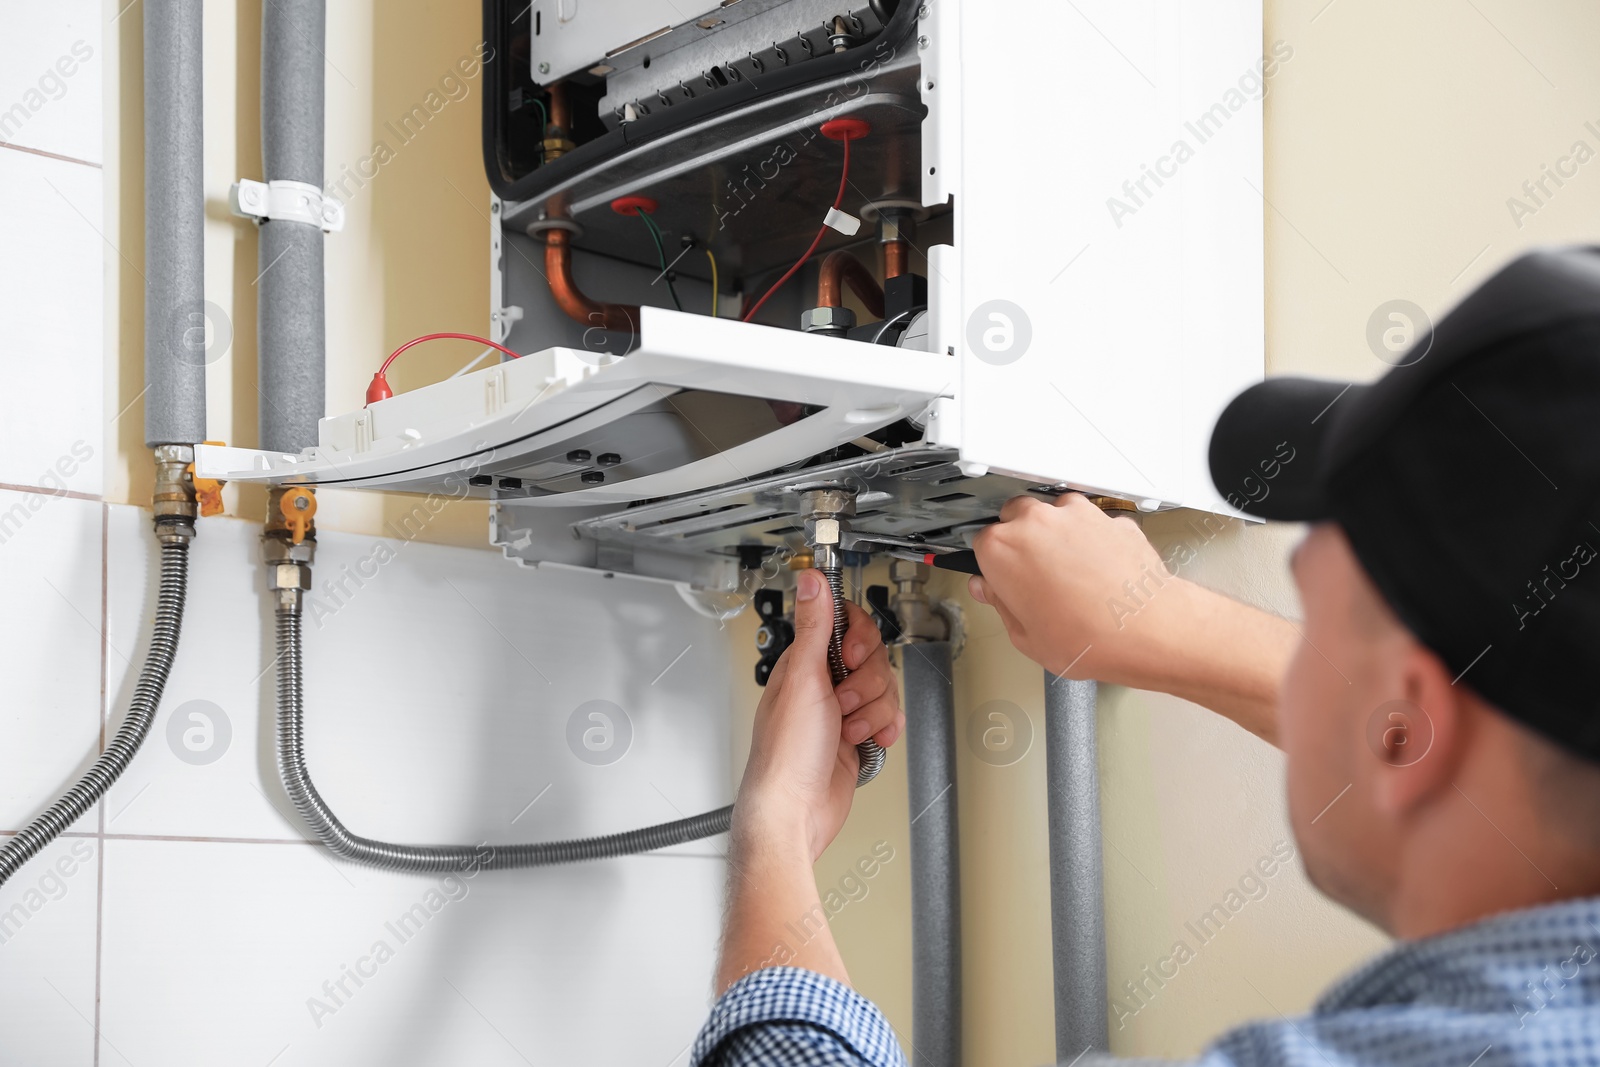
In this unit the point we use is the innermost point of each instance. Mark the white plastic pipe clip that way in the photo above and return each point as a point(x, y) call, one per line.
point(288, 202)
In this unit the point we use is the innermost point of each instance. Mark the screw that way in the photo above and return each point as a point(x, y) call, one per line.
point(922, 12)
point(301, 503)
point(922, 42)
point(544, 68)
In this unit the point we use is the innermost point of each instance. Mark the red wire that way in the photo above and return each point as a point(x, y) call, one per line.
point(445, 336)
point(844, 180)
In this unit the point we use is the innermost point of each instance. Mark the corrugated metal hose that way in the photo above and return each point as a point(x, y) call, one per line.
point(871, 753)
point(131, 734)
point(395, 857)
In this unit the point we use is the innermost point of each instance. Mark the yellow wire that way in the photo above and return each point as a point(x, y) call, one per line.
point(713, 260)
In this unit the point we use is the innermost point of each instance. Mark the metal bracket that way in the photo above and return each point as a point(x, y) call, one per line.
point(286, 201)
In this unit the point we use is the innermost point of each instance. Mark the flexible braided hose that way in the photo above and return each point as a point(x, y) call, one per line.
point(135, 727)
point(389, 856)
point(871, 753)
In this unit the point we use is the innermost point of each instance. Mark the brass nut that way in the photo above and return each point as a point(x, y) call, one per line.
point(908, 570)
point(896, 224)
point(279, 549)
point(1112, 505)
point(827, 320)
point(289, 576)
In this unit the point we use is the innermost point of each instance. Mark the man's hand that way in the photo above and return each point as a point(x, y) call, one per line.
point(1086, 596)
point(797, 789)
point(1071, 584)
point(801, 775)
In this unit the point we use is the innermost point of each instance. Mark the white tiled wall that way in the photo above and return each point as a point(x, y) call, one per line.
point(438, 695)
point(187, 920)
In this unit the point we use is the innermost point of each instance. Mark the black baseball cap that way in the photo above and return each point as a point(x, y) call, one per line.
point(1467, 479)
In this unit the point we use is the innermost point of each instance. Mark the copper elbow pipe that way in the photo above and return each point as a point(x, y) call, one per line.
point(841, 269)
point(558, 269)
point(896, 255)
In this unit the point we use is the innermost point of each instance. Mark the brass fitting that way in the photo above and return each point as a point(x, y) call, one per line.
point(1116, 507)
point(918, 618)
point(174, 499)
point(556, 147)
point(289, 543)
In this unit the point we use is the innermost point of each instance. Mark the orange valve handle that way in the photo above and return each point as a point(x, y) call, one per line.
point(207, 491)
point(299, 506)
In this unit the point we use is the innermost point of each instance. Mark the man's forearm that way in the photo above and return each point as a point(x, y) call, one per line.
point(1210, 649)
point(774, 917)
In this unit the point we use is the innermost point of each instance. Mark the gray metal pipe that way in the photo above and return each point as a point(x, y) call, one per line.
point(174, 226)
point(1077, 909)
point(291, 314)
point(935, 855)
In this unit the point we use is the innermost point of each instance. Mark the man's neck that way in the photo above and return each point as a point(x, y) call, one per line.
point(1482, 862)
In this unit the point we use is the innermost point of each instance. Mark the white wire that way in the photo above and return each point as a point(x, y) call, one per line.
point(474, 363)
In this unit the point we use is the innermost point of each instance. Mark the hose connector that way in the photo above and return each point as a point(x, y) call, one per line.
point(174, 498)
point(826, 512)
point(289, 544)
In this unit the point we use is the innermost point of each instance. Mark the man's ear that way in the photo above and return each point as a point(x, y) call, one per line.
point(1421, 737)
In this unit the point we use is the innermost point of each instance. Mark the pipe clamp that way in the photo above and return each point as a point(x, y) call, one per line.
point(286, 201)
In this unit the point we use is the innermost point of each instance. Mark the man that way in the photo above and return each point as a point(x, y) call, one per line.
point(1438, 702)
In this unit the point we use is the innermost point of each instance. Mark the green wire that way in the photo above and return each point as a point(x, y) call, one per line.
point(661, 250)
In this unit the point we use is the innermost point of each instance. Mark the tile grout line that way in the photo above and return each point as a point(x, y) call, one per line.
point(51, 155)
point(68, 494)
point(100, 807)
point(101, 836)
point(182, 839)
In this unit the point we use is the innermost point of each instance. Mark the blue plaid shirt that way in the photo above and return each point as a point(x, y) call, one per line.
point(1520, 989)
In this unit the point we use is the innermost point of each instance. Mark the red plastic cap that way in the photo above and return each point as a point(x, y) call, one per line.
point(846, 129)
point(378, 389)
point(634, 205)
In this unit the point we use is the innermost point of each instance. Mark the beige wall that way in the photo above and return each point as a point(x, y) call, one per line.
point(1395, 136)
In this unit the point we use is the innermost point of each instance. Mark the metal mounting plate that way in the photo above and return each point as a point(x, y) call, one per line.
point(915, 491)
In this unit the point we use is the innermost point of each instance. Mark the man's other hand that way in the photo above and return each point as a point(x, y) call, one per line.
point(801, 775)
point(1079, 592)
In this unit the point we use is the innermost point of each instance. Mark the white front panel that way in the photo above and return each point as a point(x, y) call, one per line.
point(1110, 228)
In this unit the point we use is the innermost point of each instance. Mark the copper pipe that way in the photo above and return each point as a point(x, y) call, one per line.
point(557, 136)
point(896, 257)
point(560, 116)
point(841, 269)
point(558, 269)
